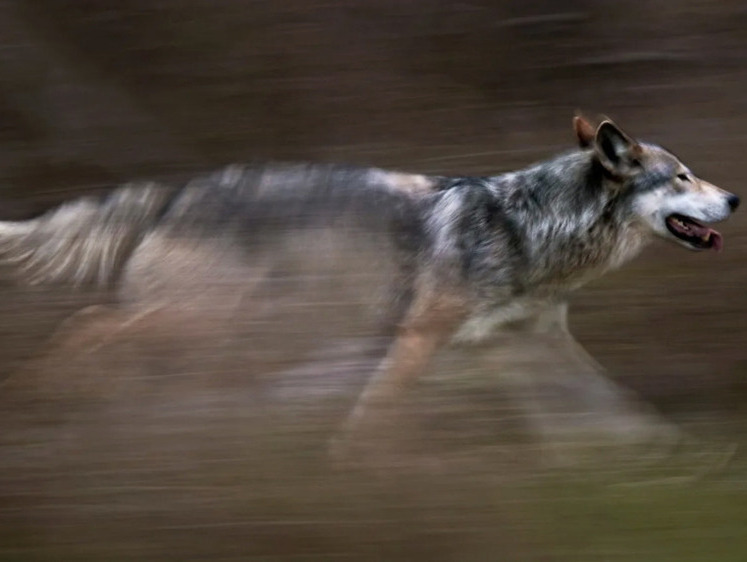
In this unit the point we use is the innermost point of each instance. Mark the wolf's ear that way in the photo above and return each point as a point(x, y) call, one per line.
point(616, 151)
point(584, 130)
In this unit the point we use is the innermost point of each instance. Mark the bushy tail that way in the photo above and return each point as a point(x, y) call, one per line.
point(85, 241)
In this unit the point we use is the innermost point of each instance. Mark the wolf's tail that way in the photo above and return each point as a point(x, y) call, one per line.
point(86, 241)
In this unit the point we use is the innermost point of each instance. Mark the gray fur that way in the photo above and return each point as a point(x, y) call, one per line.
point(434, 258)
point(532, 234)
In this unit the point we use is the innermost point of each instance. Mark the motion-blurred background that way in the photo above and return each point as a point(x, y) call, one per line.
point(97, 93)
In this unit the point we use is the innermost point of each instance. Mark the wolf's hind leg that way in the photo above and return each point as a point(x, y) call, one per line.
point(67, 366)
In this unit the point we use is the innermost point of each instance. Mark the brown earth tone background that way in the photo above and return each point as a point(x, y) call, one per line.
point(97, 93)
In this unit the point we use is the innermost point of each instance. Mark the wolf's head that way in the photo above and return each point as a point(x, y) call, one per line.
point(663, 194)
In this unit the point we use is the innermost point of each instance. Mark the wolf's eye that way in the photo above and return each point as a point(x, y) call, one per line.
point(683, 177)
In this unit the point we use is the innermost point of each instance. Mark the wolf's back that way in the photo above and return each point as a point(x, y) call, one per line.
point(85, 241)
point(89, 240)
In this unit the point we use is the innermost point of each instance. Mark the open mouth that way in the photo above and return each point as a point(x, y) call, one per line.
point(696, 235)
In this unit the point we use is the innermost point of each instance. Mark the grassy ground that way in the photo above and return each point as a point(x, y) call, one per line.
point(217, 475)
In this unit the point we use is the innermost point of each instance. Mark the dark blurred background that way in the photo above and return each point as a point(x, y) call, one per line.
point(97, 93)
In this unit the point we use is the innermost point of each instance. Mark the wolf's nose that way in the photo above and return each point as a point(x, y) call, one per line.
point(733, 202)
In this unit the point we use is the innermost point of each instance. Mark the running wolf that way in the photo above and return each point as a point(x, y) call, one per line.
point(424, 260)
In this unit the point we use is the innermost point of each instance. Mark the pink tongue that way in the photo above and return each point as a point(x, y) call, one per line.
point(717, 242)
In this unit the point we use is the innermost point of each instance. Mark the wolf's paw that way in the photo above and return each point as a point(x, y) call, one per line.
point(362, 446)
point(383, 458)
point(582, 440)
point(384, 444)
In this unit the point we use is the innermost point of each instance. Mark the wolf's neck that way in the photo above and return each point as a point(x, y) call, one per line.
point(574, 227)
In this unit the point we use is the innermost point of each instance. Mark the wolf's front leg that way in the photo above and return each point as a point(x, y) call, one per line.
point(568, 396)
point(375, 422)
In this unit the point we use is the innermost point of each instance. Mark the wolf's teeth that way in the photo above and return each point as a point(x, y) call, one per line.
point(707, 237)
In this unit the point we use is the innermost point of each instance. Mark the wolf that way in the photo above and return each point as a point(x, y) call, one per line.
point(425, 261)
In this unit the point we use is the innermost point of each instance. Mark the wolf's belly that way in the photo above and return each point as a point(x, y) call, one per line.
point(485, 323)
